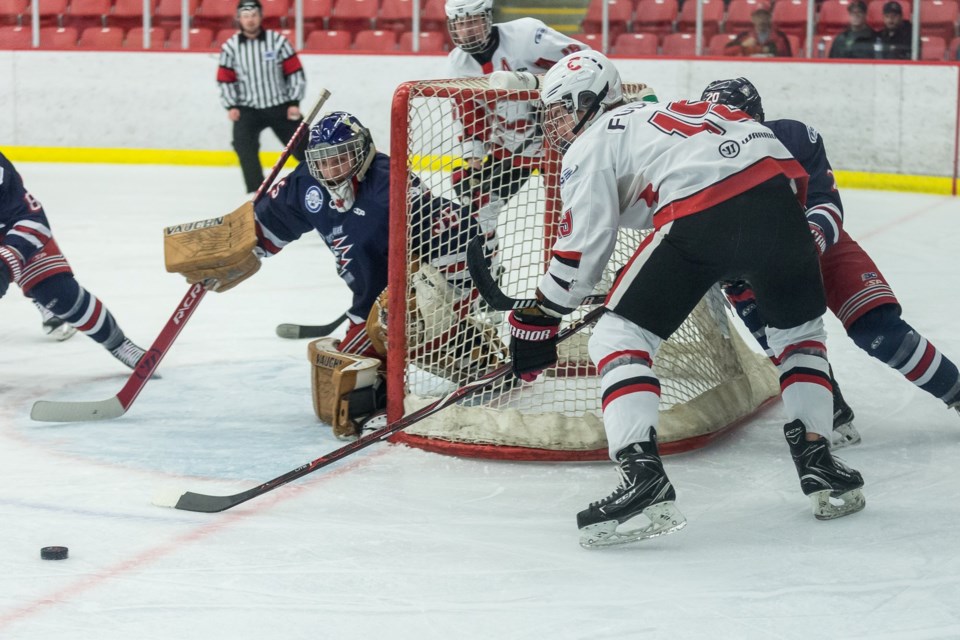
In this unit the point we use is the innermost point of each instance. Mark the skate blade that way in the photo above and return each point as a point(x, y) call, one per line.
point(664, 518)
point(846, 435)
point(824, 509)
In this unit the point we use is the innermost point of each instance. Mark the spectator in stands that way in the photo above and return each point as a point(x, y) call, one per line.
point(261, 84)
point(858, 39)
point(896, 35)
point(762, 40)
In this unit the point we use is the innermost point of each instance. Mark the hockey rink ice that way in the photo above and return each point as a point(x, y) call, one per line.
point(399, 543)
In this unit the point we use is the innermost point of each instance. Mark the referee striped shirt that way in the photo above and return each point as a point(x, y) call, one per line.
point(260, 72)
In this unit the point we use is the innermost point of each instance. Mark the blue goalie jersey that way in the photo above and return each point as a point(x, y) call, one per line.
point(824, 208)
point(359, 238)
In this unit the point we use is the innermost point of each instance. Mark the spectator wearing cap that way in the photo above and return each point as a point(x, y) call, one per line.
point(762, 40)
point(261, 84)
point(858, 39)
point(896, 34)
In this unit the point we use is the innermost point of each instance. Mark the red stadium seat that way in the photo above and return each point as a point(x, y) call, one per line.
point(433, 17)
point(275, 13)
point(129, 14)
point(822, 51)
point(396, 15)
point(225, 34)
point(833, 17)
point(795, 48)
point(592, 39)
point(315, 13)
point(430, 41)
point(58, 37)
point(875, 12)
point(216, 14)
point(619, 14)
point(353, 15)
point(101, 38)
point(636, 44)
point(712, 17)
point(679, 45)
point(719, 42)
point(939, 18)
point(932, 48)
point(790, 16)
point(11, 11)
point(15, 38)
point(655, 16)
point(197, 38)
point(168, 13)
point(51, 13)
point(134, 38)
point(738, 15)
point(375, 41)
point(328, 41)
point(87, 13)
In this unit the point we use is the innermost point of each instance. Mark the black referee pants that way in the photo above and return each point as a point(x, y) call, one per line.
point(246, 139)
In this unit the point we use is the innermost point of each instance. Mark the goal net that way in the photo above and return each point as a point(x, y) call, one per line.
point(442, 336)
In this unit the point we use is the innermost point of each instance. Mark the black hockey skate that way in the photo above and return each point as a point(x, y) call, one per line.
point(822, 476)
point(644, 489)
point(844, 432)
point(54, 326)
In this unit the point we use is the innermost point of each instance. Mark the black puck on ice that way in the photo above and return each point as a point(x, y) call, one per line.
point(54, 553)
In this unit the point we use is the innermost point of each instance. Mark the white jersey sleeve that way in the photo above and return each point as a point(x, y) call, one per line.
point(644, 165)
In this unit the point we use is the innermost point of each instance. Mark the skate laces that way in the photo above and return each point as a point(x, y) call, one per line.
point(128, 353)
point(623, 483)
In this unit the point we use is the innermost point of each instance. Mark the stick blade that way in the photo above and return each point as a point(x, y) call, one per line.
point(198, 502)
point(289, 331)
point(52, 411)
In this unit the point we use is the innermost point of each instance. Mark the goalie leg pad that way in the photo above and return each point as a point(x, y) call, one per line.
point(338, 380)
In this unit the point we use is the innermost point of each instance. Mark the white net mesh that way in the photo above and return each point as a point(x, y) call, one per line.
point(709, 378)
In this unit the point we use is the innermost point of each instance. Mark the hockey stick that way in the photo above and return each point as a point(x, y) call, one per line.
point(485, 283)
point(190, 501)
point(297, 331)
point(52, 411)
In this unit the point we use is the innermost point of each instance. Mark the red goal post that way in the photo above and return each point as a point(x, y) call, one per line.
point(711, 380)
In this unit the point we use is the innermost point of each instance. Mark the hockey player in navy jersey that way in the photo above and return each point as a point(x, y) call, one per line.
point(30, 258)
point(857, 292)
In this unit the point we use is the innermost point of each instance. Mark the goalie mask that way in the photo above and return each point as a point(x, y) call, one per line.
point(575, 91)
point(340, 149)
point(470, 23)
point(738, 93)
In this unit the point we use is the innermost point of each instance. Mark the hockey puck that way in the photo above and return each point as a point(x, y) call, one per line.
point(54, 553)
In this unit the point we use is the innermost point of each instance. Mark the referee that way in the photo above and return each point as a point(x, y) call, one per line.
point(261, 84)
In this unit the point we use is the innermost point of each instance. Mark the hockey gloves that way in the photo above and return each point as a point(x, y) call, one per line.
point(819, 239)
point(533, 342)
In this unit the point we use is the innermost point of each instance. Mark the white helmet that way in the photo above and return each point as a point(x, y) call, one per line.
point(469, 23)
point(574, 92)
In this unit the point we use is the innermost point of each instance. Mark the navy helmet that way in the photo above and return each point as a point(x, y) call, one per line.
point(738, 93)
point(339, 135)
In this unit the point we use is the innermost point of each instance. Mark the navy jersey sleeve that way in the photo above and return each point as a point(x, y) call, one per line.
point(824, 208)
point(445, 228)
point(24, 229)
point(281, 217)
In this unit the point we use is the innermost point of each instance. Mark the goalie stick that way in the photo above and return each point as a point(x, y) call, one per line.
point(297, 331)
point(53, 411)
point(203, 503)
point(485, 283)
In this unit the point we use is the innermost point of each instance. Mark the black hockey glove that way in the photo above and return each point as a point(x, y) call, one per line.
point(533, 342)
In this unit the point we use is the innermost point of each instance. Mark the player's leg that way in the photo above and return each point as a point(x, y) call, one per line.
point(864, 301)
point(284, 128)
point(246, 142)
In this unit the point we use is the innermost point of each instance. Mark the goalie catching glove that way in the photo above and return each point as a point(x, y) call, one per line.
point(219, 252)
point(533, 342)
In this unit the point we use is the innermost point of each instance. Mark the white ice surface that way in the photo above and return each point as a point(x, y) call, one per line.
point(399, 543)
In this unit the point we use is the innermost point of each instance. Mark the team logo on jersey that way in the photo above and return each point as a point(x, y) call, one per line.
point(313, 199)
point(567, 173)
point(269, 55)
point(813, 134)
point(730, 149)
point(340, 250)
point(565, 228)
point(869, 275)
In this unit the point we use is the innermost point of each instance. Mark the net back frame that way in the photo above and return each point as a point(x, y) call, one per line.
point(711, 381)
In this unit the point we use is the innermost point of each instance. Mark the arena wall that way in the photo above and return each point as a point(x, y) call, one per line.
point(891, 123)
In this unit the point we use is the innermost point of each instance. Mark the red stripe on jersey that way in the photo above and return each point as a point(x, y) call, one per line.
point(569, 255)
point(924, 363)
point(543, 63)
point(733, 185)
point(292, 65)
point(634, 353)
point(36, 233)
point(262, 240)
point(226, 74)
point(94, 317)
point(487, 68)
point(795, 378)
point(642, 387)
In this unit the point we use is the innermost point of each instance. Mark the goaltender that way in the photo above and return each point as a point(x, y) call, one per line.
point(342, 192)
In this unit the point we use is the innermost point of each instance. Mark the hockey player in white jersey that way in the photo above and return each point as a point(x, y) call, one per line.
point(501, 144)
point(716, 187)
